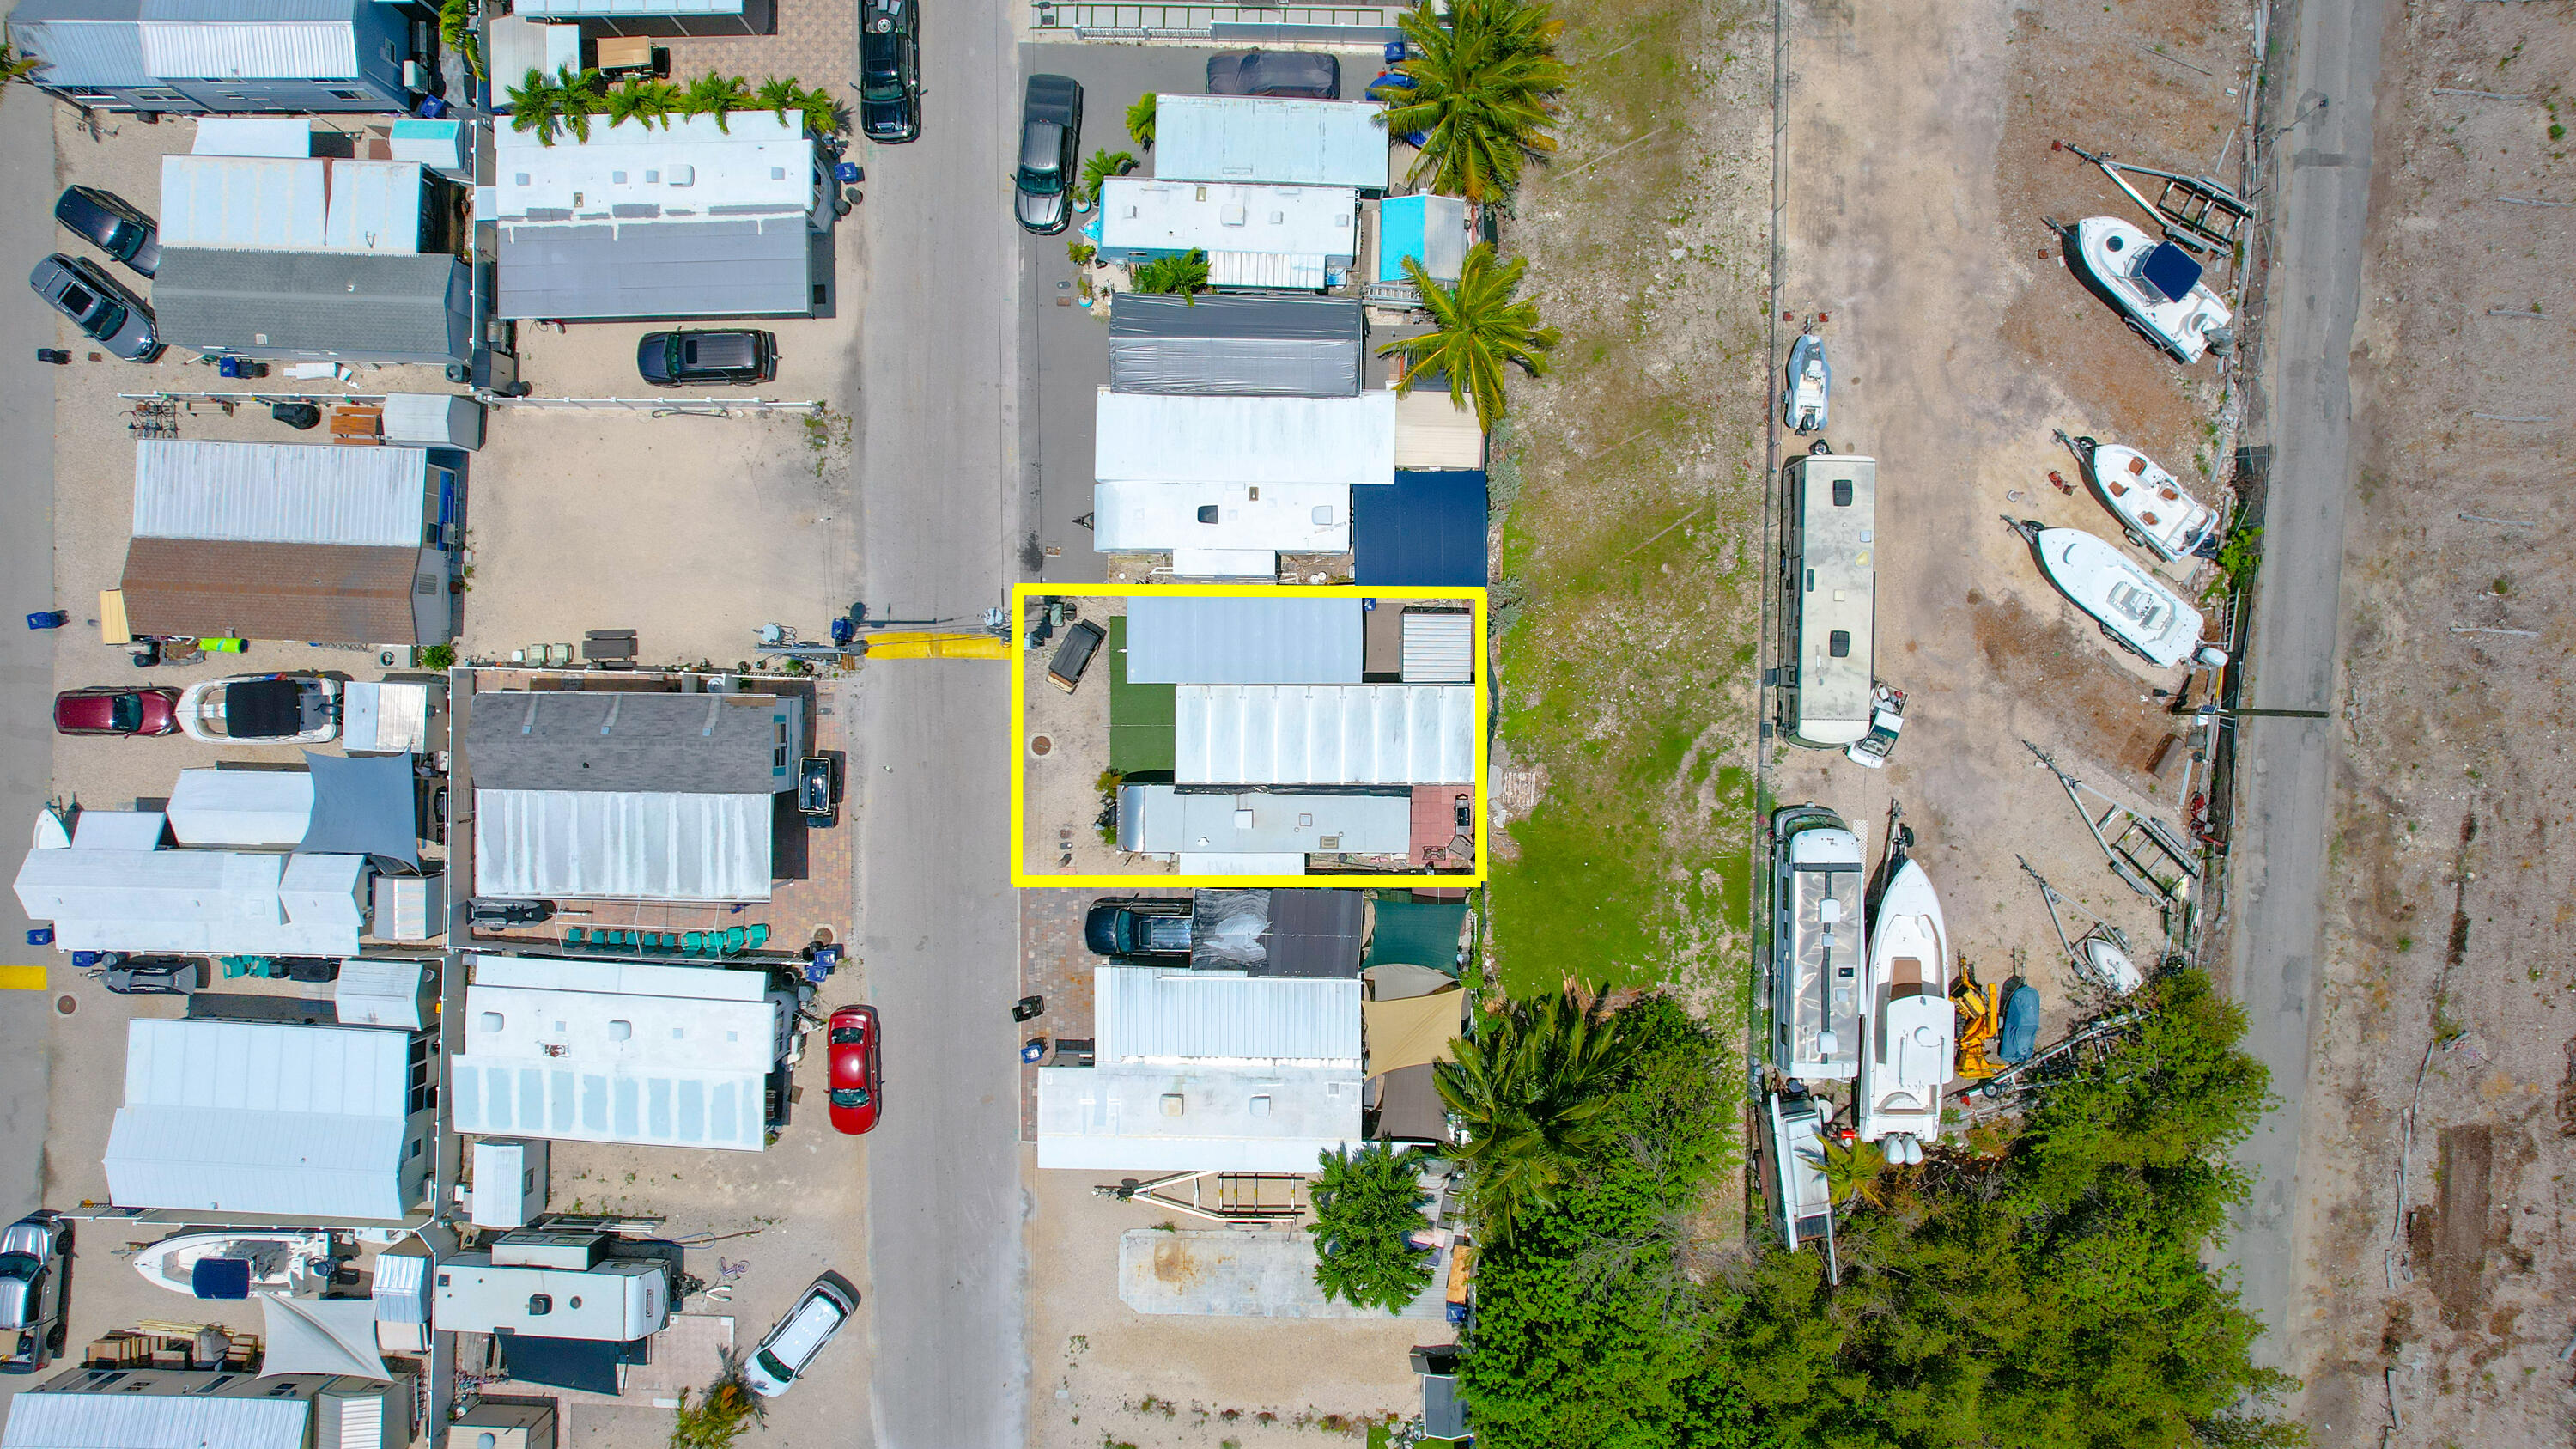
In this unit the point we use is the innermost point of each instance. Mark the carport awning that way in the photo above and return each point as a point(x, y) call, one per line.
point(622, 845)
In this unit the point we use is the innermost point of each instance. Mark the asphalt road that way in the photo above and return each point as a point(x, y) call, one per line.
point(27, 584)
point(937, 346)
point(2324, 163)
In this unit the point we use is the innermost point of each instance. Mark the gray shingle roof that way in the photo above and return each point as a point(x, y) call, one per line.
point(689, 744)
point(259, 304)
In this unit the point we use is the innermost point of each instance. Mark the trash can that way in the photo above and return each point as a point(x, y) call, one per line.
point(301, 416)
point(40, 936)
point(48, 619)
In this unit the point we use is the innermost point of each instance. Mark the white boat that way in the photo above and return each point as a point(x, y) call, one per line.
point(2159, 516)
point(1798, 1163)
point(2132, 605)
point(1811, 380)
point(2156, 285)
point(2108, 965)
point(193, 1263)
point(1908, 1024)
point(296, 709)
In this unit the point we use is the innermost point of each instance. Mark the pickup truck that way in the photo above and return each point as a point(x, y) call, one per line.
point(35, 1268)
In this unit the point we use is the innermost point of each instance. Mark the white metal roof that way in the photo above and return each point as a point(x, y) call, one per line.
point(556, 973)
point(258, 1117)
point(1323, 734)
point(1176, 1016)
point(630, 1065)
point(687, 169)
point(241, 807)
point(622, 845)
point(119, 829)
point(281, 493)
point(289, 136)
point(1162, 820)
point(1225, 563)
point(1277, 271)
point(1199, 863)
point(42, 1418)
point(290, 203)
point(1205, 1119)
point(1261, 138)
point(585, 9)
point(1273, 639)
point(381, 993)
point(251, 49)
point(1265, 517)
point(1439, 648)
point(196, 901)
point(1319, 222)
point(1164, 438)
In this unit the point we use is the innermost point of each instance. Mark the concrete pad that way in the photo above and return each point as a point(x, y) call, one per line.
point(1237, 1273)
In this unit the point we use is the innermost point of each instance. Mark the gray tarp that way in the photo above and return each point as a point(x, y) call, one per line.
point(363, 805)
point(1236, 345)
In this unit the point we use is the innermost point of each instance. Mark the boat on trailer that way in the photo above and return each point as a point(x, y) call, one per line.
point(2158, 515)
point(1908, 1023)
point(1798, 1123)
point(2156, 285)
point(2131, 605)
point(232, 1264)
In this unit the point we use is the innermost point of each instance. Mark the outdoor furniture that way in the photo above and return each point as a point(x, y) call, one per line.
point(734, 937)
point(759, 937)
point(576, 938)
point(693, 943)
point(608, 646)
point(359, 423)
point(623, 56)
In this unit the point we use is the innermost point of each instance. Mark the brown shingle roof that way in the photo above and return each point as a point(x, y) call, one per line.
point(328, 593)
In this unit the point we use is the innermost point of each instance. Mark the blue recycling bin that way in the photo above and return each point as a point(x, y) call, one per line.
point(1394, 51)
point(48, 619)
point(40, 936)
point(847, 173)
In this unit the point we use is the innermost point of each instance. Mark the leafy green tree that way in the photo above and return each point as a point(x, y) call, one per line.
point(1186, 274)
point(717, 95)
point(824, 113)
point(456, 32)
point(1485, 77)
point(16, 65)
point(583, 94)
point(723, 1414)
point(778, 97)
point(1367, 1203)
point(1533, 1088)
point(642, 102)
point(1480, 327)
point(1104, 163)
point(1140, 121)
point(536, 104)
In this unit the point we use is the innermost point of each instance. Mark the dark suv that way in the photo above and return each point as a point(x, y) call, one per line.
point(890, 71)
point(112, 224)
point(1050, 137)
point(693, 359)
point(1138, 928)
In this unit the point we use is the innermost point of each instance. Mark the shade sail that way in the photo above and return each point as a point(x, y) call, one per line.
point(1413, 1032)
point(321, 1336)
point(363, 805)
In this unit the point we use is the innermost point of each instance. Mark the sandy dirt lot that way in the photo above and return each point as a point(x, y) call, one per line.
point(1918, 177)
point(2436, 1278)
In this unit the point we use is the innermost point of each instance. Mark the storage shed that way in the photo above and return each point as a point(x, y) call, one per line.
point(1236, 345)
point(1284, 639)
point(257, 1119)
point(1324, 734)
point(1151, 438)
point(1270, 140)
point(400, 994)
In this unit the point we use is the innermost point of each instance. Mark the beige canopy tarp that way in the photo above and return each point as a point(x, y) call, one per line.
point(1412, 1032)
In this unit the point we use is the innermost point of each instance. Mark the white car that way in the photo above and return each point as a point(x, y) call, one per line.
point(287, 709)
point(792, 1344)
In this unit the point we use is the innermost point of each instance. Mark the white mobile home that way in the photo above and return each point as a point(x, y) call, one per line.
point(291, 493)
point(1259, 832)
point(597, 1051)
point(1159, 1016)
point(1157, 438)
point(1270, 140)
point(1199, 1119)
point(255, 1119)
point(209, 901)
point(1221, 530)
point(1286, 238)
point(617, 1301)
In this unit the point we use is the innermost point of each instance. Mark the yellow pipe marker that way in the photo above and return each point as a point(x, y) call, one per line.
point(22, 978)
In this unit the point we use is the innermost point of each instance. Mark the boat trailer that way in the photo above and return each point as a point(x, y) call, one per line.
point(2196, 212)
point(1233, 1197)
point(2082, 1048)
point(2145, 852)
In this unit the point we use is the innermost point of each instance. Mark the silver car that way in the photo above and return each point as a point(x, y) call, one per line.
point(109, 315)
point(1050, 138)
point(797, 1338)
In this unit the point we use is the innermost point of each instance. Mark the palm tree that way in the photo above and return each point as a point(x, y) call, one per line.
point(1185, 274)
point(778, 97)
point(714, 95)
point(585, 94)
point(824, 115)
point(1482, 93)
point(536, 104)
point(1478, 328)
point(1140, 121)
point(1104, 163)
point(1533, 1091)
point(655, 100)
point(16, 65)
point(635, 101)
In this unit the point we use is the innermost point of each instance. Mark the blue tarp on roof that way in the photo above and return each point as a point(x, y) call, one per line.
point(1429, 529)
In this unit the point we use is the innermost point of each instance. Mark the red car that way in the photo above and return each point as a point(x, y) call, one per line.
point(852, 1033)
point(110, 709)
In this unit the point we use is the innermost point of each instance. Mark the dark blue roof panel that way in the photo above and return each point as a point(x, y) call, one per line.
point(1426, 529)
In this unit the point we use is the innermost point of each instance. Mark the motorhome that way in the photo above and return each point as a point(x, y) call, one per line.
point(1818, 946)
point(1829, 594)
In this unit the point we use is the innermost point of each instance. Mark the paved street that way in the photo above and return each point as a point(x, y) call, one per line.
point(2325, 166)
point(938, 346)
point(26, 658)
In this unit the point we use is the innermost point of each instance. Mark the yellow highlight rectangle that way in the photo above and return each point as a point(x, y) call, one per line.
point(1021, 876)
point(22, 978)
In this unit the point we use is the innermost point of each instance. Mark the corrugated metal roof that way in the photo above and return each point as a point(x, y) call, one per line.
point(319, 592)
point(713, 744)
point(601, 845)
point(749, 267)
point(361, 306)
point(188, 900)
point(267, 1067)
point(83, 52)
point(1264, 1119)
point(1148, 438)
point(1234, 346)
point(1283, 640)
point(1266, 139)
point(1149, 1014)
point(45, 1418)
point(281, 493)
point(252, 49)
point(1439, 648)
point(1278, 271)
point(375, 207)
point(584, 9)
point(611, 1066)
point(1429, 529)
point(245, 202)
point(1336, 734)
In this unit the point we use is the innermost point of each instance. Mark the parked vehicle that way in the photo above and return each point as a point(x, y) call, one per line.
point(1141, 928)
point(150, 975)
point(1886, 722)
point(1050, 138)
point(856, 1070)
point(2133, 607)
point(2157, 514)
point(1074, 655)
point(112, 224)
point(818, 787)
point(301, 709)
point(1909, 1020)
point(103, 310)
point(109, 709)
point(2155, 285)
point(492, 913)
point(739, 356)
point(1811, 383)
point(35, 1287)
point(1309, 74)
point(791, 1345)
point(1819, 945)
point(890, 71)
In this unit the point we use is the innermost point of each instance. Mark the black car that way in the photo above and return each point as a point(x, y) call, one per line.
point(689, 359)
point(1050, 138)
point(890, 71)
point(1138, 928)
point(105, 312)
point(112, 224)
point(1301, 73)
point(151, 975)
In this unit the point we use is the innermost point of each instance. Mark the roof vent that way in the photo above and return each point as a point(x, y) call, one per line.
point(1243, 820)
point(617, 176)
point(1174, 1104)
point(777, 173)
point(652, 177)
point(1261, 1105)
point(1233, 214)
point(621, 1030)
point(489, 1021)
point(683, 175)
point(519, 178)
point(1278, 217)
point(1207, 513)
